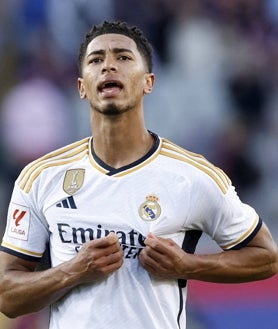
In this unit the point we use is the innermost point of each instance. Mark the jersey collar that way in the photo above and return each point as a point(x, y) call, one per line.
point(110, 171)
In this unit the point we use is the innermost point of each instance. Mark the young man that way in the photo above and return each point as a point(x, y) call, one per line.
point(123, 210)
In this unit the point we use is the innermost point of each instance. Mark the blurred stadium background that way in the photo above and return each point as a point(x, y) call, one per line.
point(216, 93)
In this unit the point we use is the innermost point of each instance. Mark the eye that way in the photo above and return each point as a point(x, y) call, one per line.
point(95, 60)
point(123, 58)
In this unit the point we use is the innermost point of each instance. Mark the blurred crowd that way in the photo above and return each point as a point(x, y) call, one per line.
point(216, 92)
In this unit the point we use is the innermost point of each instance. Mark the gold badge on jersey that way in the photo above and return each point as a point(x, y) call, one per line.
point(150, 210)
point(73, 180)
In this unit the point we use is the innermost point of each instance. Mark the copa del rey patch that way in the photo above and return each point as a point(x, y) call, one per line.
point(19, 222)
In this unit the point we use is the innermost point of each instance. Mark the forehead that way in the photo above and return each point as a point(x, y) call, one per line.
point(111, 41)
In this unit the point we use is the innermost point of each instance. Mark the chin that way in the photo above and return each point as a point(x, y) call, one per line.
point(113, 109)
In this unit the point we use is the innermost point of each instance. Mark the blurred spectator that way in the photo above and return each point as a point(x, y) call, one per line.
point(35, 119)
point(191, 86)
point(153, 16)
point(68, 20)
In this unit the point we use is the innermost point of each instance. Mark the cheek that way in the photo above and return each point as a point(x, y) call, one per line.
point(90, 77)
point(137, 84)
point(90, 86)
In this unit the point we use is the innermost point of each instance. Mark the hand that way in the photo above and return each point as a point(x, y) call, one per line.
point(97, 259)
point(163, 258)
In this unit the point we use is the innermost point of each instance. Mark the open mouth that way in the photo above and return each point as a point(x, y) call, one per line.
point(109, 86)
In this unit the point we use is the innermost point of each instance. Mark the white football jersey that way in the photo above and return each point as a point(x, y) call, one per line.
point(70, 196)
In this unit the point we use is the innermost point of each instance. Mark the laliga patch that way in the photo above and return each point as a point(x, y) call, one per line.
point(19, 222)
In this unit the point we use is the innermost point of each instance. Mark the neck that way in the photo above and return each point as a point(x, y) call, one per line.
point(120, 140)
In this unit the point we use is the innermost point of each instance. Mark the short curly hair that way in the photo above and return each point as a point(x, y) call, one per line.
point(118, 27)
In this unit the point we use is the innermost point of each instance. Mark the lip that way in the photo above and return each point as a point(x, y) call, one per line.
point(110, 88)
point(109, 83)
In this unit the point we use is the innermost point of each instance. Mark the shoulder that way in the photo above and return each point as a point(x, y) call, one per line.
point(53, 160)
point(197, 164)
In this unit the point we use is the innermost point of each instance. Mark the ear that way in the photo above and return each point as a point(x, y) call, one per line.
point(81, 88)
point(149, 83)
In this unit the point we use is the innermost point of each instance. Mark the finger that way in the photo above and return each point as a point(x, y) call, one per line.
point(151, 265)
point(112, 238)
point(147, 262)
point(150, 257)
point(96, 252)
point(110, 268)
point(158, 260)
point(108, 240)
point(115, 258)
point(159, 244)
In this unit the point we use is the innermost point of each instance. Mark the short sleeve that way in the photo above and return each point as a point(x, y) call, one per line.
point(223, 216)
point(237, 222)
point(26, 233)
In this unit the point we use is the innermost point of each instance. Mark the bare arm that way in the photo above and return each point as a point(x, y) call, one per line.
point(22, 290)
point(258, 260)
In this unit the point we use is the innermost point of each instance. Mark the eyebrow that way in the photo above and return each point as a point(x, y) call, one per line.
point(114, 50)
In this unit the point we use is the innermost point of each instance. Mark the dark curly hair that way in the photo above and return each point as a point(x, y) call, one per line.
point(118, 27)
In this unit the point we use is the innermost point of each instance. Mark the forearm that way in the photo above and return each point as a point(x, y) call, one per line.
point(26, 292)
point(163, 258)
point(235, 266)
point(257, 261)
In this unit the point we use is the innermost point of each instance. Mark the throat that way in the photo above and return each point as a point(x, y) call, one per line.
point(122, 156)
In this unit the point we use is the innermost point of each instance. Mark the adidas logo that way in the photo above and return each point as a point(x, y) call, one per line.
point(67, 203)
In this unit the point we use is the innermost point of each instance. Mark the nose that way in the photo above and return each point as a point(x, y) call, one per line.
point(109, 64)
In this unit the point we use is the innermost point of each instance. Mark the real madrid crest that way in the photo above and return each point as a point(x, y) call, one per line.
point(150, 210)
point(73, 180)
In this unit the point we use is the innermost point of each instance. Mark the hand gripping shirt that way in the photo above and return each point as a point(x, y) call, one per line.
point(70, 196)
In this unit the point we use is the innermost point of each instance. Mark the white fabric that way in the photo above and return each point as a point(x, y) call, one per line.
point(191, 194)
